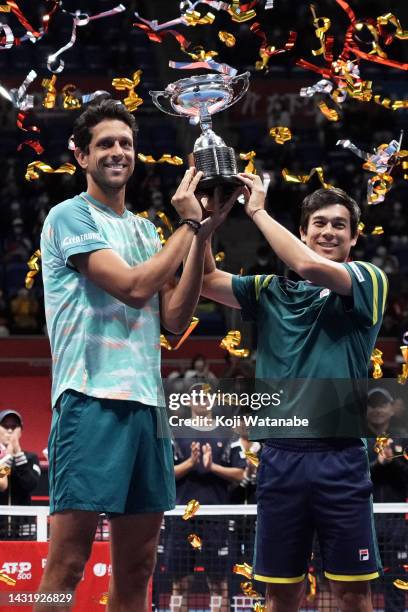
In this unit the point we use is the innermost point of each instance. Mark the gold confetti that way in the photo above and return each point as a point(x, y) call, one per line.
point(70, 102)
point(194, 18)
point(5, 8)
point(377, 187)
point(280, 134)
point(403, 377)
point(304, 178)
point(164, 218)
point(243, 570)
point(104, 599)
point(7, 579)
point(401, 584)
point(377, 360)
point(249, 591)
point(228, 39)
point(381, 442)
point(195, 541)
point(376, 49)
point(4, 471)
point(199, 54)
point(34, 268)
point(191, 510)
point(219, 257)
point(230, 343)
point(377, 231)
point(360, 91)
point(166, 344)
point(132, 101)
point(51, 95)
point(392, 104)
point(313, 587)
point(258, 607)
point(322, 24)
point(252, 458)
point(237, 14)
point(32, 175)
point(249, 157)
point(383, 20)
point(166, 158)
point(330, 113)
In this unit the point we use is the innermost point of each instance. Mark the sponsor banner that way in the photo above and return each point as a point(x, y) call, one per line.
point(25, 562)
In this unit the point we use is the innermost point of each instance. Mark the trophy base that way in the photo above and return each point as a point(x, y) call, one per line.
point(219, 167)
point(227, 182)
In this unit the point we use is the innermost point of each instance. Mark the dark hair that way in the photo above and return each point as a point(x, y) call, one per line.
point(94, 114)
point(196, 358)
point(325, 197)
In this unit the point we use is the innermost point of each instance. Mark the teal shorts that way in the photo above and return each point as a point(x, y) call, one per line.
point(105, 456)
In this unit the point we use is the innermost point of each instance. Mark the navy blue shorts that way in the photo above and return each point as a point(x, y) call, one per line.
point(307, 487)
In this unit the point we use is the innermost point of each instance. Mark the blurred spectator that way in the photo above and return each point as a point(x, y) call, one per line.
point(24, 310)
point(4, 330)
point(390, 484)
point(206, 461)
point(24, 477)
point(399, 420)
point(200, 370)
point(380, 413)
point(265, 261)
point(17, 245)
point(236, 367)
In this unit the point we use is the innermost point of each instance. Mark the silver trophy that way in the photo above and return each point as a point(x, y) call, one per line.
point(198, 97)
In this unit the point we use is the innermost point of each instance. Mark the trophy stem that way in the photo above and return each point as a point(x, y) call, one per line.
point(205, 119)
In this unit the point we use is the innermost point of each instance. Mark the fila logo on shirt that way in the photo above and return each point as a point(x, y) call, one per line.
point(364, 554)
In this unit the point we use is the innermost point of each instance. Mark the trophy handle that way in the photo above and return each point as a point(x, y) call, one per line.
point(244, 78)
point(155, 95)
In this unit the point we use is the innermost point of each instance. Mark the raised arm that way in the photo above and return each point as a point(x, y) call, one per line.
point(292, 251)
point(135, 285)
point(179, 300)
point(217, 285)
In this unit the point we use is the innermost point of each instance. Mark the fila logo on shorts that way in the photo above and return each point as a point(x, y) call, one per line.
point(364, 554)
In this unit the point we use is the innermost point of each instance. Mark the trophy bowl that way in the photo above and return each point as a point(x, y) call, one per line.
point(198, 98)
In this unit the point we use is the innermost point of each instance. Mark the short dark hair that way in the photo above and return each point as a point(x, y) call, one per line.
point(326, 197)
point(94, 114)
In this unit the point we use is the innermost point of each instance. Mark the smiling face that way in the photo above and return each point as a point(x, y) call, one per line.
point(329, 232)
point(110, 159)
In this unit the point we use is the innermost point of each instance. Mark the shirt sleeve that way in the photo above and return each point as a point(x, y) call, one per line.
point(369, 292)
point(247, 290)
point(157, 245)
point(75, 231)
